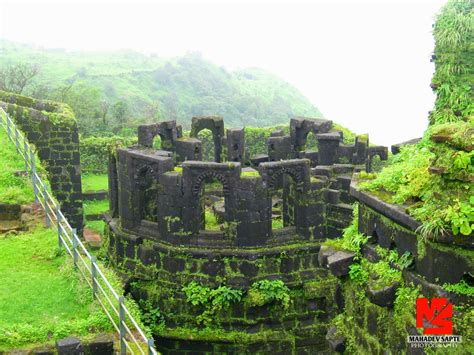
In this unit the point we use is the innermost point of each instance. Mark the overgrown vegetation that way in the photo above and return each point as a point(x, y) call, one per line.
point(152, 316)
point(212, 300)
point(351, 239)
point(461, 288)
point(266, 291)
point(95, 152)
point(453, 32)
point(434, 177)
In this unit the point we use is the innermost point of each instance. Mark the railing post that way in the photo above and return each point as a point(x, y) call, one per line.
point(8, 128)
point(33, 173)
point(58, 219)
point(27, 156)
point(151, 344)
point(123, 346)
point(74, 246)
point(46, 206)
point(17, 142)
point(94, 275)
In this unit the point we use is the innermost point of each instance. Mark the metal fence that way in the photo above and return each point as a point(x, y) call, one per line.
point(132, 338)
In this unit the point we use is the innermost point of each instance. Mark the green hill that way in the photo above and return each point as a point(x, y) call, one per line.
point(155, 88)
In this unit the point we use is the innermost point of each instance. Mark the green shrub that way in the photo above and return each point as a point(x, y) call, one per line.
point(211, 300)
point(266, 291)
point(351, 239)
point(95, 151)
point(461, 288)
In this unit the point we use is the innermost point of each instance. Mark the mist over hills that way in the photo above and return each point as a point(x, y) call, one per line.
point(154, 88)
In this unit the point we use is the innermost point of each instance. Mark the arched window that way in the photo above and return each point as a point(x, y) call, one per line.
point(311, 144)
point(157, 142)
point(208, 148)
point(283, 202)
point(212, 205)
point(147, 192)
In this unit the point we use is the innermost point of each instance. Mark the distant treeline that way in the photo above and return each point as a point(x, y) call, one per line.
point(112, 93)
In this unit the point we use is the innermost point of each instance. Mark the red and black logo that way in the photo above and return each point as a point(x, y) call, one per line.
point(434, 318)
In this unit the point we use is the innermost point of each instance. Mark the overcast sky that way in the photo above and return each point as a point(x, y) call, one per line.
point(364, 64)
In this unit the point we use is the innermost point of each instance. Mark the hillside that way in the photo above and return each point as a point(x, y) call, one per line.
point(155, 88)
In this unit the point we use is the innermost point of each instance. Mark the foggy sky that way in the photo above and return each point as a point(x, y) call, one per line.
point(365, 65)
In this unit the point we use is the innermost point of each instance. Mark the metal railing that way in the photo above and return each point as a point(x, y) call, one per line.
point(132, 337)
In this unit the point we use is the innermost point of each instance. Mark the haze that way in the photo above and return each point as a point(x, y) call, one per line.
point(365, 65)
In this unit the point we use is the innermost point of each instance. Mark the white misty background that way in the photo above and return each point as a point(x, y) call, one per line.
point(364, 64)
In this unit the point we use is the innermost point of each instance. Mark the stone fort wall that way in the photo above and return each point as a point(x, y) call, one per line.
point(52, 128)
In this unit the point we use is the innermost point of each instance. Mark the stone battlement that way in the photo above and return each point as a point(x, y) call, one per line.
point(159, 194)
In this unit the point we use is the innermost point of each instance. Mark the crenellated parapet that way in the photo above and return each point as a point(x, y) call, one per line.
point(159, 193)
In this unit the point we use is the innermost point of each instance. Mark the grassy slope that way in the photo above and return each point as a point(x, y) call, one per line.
point(95, 207)
point(40, 293)
point(184, 86)
point(13, 189)
point(42, 298)
point(95, 182)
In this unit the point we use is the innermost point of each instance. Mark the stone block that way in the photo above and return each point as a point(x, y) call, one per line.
point(383, 297)
point(102, 344)
point(336, 343)
point(340, 262)
point(69, 346)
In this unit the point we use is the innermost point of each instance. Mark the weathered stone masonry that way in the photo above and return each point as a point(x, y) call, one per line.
point(157, 235)
point(52, 128)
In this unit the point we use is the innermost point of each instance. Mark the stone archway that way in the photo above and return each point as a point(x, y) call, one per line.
point(209, 175)
point(294, 209)
point(195, 175)
point(216, 125)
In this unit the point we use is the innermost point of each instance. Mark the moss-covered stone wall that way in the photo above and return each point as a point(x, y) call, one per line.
point(395, 265)
point(159, 272)
point(52, 128)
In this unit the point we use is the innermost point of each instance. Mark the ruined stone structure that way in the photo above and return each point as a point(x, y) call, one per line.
point(52, 128)
point(158, 233)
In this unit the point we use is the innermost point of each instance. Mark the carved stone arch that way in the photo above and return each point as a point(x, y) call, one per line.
point(210, 175)
point(294, 172)
point(143, 170)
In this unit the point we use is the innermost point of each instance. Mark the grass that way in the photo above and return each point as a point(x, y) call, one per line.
point(41, 296)
point(277, 223)
point(97, 226)
point(211, 223)
point(95, 207)
point(13, 189)
point(245, 174)
point(95, 182)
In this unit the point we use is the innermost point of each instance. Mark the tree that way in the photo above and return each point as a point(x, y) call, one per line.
point(16, 77)
point(120, 113)
point(104, 109)
point(85, 101)
point(152, 112)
